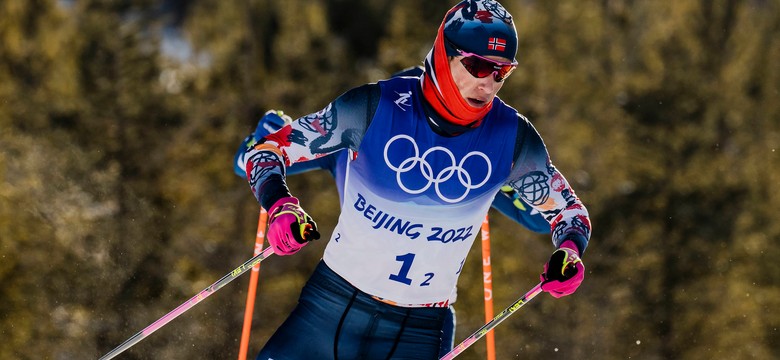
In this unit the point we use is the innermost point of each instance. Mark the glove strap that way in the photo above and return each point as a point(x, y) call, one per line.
point(570, 260)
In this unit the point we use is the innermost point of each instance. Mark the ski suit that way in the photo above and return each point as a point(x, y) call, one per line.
point(412, 203)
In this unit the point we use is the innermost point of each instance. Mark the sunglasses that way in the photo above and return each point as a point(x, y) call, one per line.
point(480, 66)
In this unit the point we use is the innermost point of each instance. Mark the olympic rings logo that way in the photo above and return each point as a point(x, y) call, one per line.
point(427, 172)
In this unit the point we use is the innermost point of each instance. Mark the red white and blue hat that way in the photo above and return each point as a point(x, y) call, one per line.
point(482, 27)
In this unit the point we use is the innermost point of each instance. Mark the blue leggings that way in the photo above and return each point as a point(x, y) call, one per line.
point(334, 320)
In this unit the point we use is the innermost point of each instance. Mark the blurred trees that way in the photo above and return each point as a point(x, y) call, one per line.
point(119, 119)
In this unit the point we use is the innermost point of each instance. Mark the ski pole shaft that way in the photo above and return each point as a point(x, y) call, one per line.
point(189, 303)
point(493, 323)
point(487, 284)
point(252, 291)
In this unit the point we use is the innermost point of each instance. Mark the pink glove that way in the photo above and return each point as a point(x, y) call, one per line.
point(290, 228)
point(566, 271)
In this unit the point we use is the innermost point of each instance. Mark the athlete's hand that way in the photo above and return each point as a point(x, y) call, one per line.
point(564, 272)
point(272, 121)
point(290, 228)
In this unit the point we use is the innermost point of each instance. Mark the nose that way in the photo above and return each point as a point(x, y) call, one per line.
point(489, 83)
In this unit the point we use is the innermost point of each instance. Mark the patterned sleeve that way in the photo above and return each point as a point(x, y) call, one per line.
point(544, 188)
point(339, 126)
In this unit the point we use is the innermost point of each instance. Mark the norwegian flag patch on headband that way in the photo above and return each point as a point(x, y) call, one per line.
point(496, 44)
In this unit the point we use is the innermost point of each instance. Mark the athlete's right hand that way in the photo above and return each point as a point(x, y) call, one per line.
point(290, 228)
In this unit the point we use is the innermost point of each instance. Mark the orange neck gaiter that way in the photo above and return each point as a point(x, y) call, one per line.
point(440, 91)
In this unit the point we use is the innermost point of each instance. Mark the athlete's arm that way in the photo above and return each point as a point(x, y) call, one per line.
point(339, 126)
point(544, 188)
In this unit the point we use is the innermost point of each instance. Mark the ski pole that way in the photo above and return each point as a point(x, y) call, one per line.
point(493, 323)
point(189, 303)
point(487, 283)
point(250, 296)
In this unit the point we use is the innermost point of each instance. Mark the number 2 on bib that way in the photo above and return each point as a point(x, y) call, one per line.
point(403, 274)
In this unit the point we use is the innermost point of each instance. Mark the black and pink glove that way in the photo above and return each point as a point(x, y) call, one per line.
point(290, 228)
point(564, 272)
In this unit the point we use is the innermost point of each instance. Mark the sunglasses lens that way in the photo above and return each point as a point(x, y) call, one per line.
point(477, 67)
point(504, 72)
point(480, 68)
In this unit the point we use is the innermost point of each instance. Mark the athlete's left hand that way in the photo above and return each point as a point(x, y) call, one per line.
point(272, 121)
point(564, 272)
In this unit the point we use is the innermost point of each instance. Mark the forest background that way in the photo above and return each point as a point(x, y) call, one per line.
point(119, 120)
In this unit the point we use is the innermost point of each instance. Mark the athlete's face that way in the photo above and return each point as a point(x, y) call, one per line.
point(478, 92)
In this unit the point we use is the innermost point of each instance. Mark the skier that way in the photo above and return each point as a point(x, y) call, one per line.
point(424, 159)
point(507, 202)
